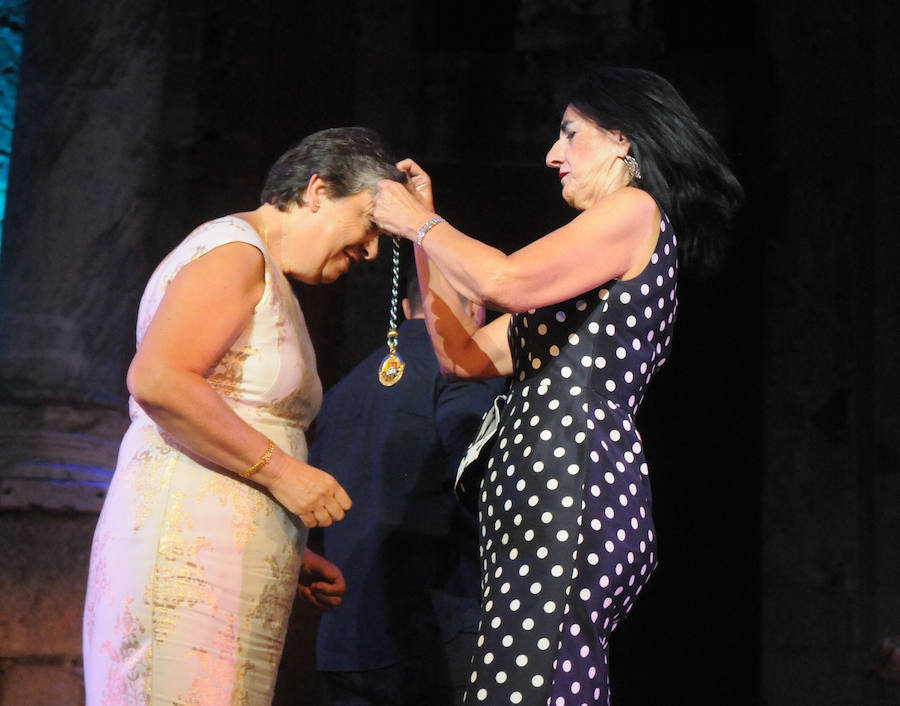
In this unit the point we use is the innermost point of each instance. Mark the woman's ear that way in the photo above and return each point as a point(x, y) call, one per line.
point(315, 192)
point(621, 139)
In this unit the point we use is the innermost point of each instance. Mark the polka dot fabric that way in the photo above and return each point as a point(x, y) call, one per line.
point(567, 537)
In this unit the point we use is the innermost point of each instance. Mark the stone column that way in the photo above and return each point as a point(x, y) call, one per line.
point(78, 238)
point(90, 165)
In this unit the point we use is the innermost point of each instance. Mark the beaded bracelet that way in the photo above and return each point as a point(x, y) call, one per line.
point(420, 236)
point(263, 460)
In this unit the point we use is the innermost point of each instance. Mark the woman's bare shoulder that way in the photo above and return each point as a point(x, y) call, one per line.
point(627, 202)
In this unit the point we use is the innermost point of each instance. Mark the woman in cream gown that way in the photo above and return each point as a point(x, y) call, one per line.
point(198, 549)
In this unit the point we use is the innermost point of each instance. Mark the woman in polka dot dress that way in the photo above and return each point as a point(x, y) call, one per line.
point(567, 536)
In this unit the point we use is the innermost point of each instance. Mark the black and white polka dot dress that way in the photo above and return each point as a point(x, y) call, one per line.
point(567, 537)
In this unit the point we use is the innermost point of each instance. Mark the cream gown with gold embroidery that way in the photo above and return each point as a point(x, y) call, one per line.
point(194, 570)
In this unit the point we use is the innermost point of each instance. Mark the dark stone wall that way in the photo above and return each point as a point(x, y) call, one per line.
point(772, 432)
point(830, 410)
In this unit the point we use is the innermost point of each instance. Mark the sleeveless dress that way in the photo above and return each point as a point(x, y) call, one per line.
point(194, 570)
point(567, 538)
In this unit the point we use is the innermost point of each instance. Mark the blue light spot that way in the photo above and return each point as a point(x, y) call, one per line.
point(12, 24)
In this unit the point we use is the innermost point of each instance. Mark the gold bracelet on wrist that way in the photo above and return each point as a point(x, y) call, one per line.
point(263, 460)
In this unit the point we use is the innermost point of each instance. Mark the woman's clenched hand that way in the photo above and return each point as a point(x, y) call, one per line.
point(306, 491)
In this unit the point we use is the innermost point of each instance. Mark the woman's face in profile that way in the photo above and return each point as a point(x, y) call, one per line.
point(343, 235)
point(585, 155)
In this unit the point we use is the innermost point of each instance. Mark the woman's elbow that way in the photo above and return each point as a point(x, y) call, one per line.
point(147, 383)
point(505, 292)
point(494, 291)
point(451, 371)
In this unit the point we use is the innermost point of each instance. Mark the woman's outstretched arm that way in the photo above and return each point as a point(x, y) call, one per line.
point(613, 239)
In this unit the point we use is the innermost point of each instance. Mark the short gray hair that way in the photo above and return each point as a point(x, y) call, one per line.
point(348, 159)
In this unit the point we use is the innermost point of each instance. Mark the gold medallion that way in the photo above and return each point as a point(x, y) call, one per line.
point(391, 369)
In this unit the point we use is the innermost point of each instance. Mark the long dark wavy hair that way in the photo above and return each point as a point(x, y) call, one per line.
point(682, 165)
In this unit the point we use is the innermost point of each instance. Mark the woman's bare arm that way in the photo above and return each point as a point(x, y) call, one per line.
point(462, 349)
point(205, 308)
point(612, 239)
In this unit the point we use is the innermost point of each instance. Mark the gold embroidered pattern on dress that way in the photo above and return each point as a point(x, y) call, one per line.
point(220, 679)
point(282, 298)
point(291, 408)
point(199, 251)
point(128, 681)
point(98, 581)
point(275, 601)
point(228, 374)
point(178, 576)
point(245, 501)
point(151, 472)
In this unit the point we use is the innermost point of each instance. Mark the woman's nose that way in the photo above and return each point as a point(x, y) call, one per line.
point(370, 248)
point(554, 157)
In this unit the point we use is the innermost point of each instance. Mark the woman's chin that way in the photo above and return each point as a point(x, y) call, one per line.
point(331, 274)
